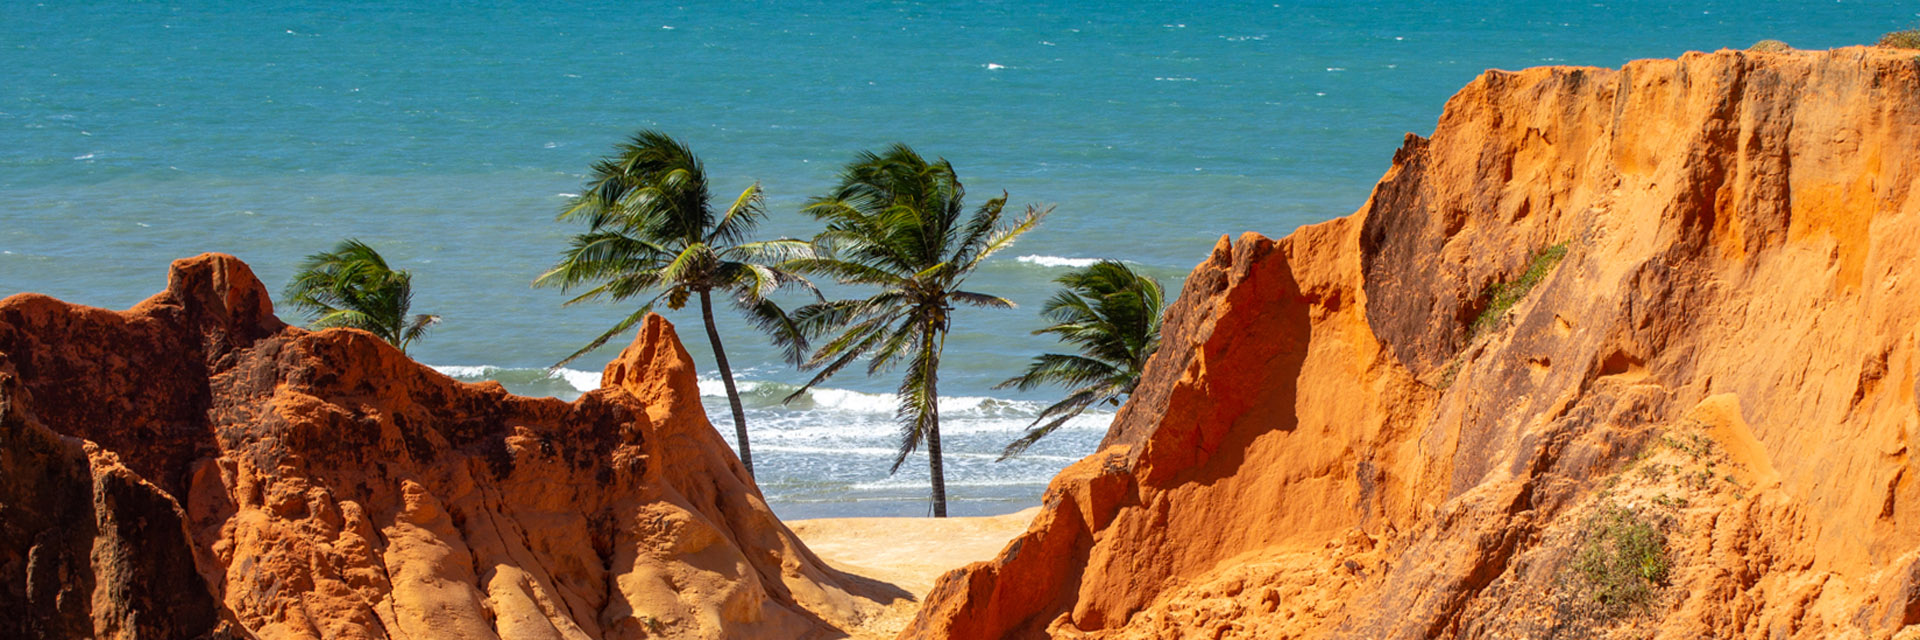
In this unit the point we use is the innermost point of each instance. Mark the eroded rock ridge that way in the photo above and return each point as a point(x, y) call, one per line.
point(1348, 435)
point(193, 467)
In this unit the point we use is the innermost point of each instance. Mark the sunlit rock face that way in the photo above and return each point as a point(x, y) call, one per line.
point(194, 467)
point(1347, 434)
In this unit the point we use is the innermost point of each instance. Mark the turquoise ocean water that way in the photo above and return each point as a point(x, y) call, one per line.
point(448, 134)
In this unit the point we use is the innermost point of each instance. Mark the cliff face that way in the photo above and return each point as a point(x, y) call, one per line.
point(195, 468)
point(1345, 436)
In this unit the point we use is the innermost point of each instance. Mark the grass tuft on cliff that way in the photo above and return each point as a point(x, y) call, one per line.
point(1622, 559)
point(1503, 295)
point(1770, 46)
point(1902, 39)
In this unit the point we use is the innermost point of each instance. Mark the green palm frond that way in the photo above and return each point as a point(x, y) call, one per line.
point(1001, 238)
point(767, 316)
point(740, 218)
point(618, 328)
point(651, 231)
point(840, 352)
point(1112, 314)
point(1056, 416)
point(768, 252)
point(353, 287)
point(845, 272)
point(416, 328)
point(918, 403)
point(982, 300)
point(1063, 369)
point(898, 222)
point(902, 336)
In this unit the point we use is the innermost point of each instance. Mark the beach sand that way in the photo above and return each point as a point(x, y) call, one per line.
point(908, 554)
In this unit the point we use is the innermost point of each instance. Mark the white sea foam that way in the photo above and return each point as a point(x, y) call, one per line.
point(902, 482)
point(824, 416)
point(851, 401)
point(465, 371)
point(1057, 261)
point(583, 380)
point(889, 452)
point(994, 66)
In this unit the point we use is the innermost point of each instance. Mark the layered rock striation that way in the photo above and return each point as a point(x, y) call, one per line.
point(194, 468)
point(1361, 430)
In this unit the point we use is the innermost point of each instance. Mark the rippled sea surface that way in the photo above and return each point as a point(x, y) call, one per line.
point(448, 135)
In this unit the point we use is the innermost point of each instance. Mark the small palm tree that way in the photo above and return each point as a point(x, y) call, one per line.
point(897, 222)
point(651, 227)
point(1112, 314)
point(352, 286)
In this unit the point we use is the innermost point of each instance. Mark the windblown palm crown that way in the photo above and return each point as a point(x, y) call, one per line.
point(352, 286)
point(652, 229)
point(899, 223)
point(1112, 314)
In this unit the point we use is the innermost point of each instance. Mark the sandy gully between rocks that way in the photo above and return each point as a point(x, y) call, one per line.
point(909, 553)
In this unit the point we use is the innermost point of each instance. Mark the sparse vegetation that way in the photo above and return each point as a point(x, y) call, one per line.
point(1902, 39)
point(1670, 502)
point(1622, 559)
point(1770, 46)
point(1695, 445)
point(1452, 371)
point(1502, 296)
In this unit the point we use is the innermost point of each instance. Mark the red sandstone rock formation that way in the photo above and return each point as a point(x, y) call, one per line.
point(1327, 447)
point(195, 468)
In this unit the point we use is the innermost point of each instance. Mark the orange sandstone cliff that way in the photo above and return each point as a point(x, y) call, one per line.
point(194, 468)
point(1344, 436)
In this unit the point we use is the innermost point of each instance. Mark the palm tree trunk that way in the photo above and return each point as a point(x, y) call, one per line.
point(726, 377)
point(934, 467)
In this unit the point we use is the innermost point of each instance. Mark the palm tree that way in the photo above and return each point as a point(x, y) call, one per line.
point(352, 286)
point(651, 227)
point(1112, 314)
point(897, 222)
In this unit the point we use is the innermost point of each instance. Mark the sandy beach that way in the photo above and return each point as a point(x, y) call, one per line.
point(908, 553)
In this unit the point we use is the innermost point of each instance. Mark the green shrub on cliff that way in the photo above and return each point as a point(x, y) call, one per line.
point(1902, 39)
point(1502, 296)
point(1622, 559)
point(352, 286)
point(1770, 46)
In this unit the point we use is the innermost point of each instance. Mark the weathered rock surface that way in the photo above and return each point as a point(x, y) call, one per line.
point(195, 468)
point(1327, 447)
